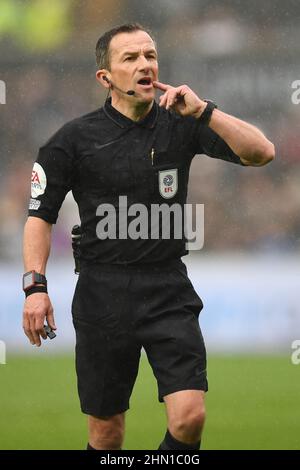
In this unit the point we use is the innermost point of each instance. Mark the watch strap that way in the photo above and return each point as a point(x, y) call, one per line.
point(40, 278)
point(35, 289)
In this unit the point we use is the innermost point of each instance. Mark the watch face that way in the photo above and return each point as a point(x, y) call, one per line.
point(28, 280)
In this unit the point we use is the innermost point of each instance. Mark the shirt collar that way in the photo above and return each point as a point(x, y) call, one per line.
point(123, 121)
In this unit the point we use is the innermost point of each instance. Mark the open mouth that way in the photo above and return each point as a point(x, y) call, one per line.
point(145, 81)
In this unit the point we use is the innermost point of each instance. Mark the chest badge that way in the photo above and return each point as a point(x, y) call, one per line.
point(168, 183)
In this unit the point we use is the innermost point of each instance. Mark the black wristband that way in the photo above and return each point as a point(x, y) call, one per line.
point(35, 289)
point(205, 117)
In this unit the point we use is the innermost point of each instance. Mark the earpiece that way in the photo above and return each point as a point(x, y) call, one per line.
point(106, 79)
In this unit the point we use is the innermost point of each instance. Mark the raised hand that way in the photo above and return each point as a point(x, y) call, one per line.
point(182, 99)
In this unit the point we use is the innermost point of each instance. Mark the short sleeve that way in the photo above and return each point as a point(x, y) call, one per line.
point(205, 141)
point(52, 176)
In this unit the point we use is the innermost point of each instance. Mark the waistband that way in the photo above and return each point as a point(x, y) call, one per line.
point(145, 267)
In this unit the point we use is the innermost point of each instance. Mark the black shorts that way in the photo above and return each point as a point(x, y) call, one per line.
point(117, 310)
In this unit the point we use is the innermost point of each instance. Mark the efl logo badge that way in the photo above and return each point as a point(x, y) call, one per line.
point(168, 183)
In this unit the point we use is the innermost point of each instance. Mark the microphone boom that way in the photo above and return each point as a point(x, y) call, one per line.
point(129, 92)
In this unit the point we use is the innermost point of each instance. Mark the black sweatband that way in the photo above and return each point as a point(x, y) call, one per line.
point(205, 117)
point(35, 289)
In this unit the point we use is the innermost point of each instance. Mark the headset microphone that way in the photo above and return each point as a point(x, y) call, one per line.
point(129, 92)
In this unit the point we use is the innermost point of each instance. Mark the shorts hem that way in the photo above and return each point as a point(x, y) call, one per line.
point(108, 412)
point(177, 388)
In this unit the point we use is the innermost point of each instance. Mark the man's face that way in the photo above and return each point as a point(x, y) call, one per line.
point(133, 58)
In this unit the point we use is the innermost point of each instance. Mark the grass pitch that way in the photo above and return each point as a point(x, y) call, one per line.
point(253, 403)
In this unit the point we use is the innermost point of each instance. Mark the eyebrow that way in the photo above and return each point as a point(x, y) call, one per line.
point(149, 51)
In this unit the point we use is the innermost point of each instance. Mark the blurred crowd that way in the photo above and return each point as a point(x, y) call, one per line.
point(243, 57)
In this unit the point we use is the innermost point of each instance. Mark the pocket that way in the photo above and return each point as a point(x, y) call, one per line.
point(171, 177)
point(95, 300)
point(193, 301)
point(74, 306)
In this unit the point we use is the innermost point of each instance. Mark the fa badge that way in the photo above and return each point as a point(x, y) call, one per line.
point(168, 183)
point(38, 181)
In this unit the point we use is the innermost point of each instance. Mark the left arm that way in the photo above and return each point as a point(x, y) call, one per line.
point(245, 140)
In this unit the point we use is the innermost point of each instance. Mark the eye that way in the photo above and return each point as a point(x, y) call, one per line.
point(129, 58)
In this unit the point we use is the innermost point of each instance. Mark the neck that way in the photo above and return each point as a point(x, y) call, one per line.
point(134, 112)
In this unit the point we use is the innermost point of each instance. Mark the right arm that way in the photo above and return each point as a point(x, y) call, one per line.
point(50, 182)
point(37, 307)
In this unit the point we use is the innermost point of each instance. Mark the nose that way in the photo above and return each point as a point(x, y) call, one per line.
point(143, 64)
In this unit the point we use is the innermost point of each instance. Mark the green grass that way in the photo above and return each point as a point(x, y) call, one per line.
point(253, 403)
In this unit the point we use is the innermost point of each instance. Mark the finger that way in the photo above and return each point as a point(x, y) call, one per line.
point(39, 326)
point(36, 336)
point(171, 99)
point(161, 86)
point(163, 100)
point(50, 319)
point(26, 328)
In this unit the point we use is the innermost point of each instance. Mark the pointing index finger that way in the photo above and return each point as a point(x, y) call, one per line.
point(161, 86)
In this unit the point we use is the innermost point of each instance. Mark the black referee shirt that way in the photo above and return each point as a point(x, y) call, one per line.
point(103, 155)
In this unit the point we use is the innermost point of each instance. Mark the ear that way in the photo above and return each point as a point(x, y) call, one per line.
point(99, 77)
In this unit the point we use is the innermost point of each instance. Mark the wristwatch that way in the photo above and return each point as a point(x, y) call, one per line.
point(206, 115)
point(32, 278)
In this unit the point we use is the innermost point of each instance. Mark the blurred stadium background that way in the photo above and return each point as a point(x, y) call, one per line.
point(243, 55)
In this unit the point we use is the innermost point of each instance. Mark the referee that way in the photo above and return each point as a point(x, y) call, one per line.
point(131, 292)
